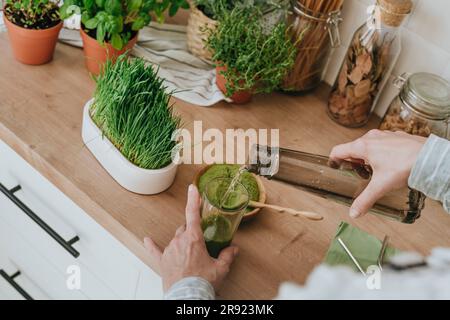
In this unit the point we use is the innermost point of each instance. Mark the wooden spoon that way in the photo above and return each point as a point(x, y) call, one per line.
point(306, 214)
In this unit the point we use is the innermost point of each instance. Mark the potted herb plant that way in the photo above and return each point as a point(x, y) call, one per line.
point(110, 27)
point(249, 59)
point(129, 125)
point(205, 13)
point(33, 28)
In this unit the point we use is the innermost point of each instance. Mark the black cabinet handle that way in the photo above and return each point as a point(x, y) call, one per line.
point(52, 233)
point(13, 283)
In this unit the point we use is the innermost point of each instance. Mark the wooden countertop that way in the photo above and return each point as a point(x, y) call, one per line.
point(40, 117)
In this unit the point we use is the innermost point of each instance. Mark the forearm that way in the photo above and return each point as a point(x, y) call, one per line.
point(191, 288)
point(431, 172)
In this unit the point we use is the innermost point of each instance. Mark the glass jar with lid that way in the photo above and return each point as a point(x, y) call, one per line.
point(373, 52)
point(422, 107)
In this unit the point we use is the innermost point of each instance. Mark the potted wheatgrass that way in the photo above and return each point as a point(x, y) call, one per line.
point(129, 124)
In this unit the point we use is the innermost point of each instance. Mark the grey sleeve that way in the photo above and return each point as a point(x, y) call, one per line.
point(431, 172)
point(191, 288)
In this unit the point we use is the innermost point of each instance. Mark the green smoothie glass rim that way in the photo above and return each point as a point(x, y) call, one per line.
point(225, 210)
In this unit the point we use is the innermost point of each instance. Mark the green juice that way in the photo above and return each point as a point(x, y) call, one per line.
point(218, 233)
point(229, 171)
point(224, 202)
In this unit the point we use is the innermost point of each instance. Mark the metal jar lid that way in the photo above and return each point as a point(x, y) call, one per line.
point(427, 94)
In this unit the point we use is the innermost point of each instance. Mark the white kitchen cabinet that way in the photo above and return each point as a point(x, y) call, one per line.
point(41, 272)
point(108, 270)
point(145, 291)
point(7, 290)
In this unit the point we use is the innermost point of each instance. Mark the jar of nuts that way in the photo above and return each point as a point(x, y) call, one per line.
point(422, 106)
point(372, 53)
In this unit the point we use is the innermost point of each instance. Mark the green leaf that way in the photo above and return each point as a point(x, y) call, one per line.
point(173, 9)
point(101, 16)
point(85, 17)
point(138, 24)
point(100, 33)
point(184, 4)
point(119, 22)
point(165, 4)
point(100, 3)
point(116, 41)
point(88, 4)
point(91, 23)
point(113, 7)
point(134, 5)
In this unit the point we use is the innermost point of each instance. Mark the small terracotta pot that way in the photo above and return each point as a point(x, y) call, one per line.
point(95, 54)
point(239, 97)
point(32, 46)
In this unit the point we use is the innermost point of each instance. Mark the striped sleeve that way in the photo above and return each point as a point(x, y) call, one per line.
point(191, 288)
point(431, 172)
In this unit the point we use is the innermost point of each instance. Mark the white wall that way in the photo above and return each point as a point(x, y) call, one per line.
point(425, 41)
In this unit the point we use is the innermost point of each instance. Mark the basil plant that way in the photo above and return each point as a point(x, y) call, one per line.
point(116, 21)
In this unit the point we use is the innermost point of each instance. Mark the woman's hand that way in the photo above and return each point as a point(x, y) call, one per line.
point(186, 254)
point(390, 154)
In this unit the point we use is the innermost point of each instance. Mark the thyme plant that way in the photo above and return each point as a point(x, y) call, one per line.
point(133, 110)
point(215, 8)
point(255, 60)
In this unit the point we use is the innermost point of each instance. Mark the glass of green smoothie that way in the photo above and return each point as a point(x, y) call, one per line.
point(224, 201)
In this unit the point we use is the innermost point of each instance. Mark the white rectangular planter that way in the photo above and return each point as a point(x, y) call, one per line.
point(127, 174)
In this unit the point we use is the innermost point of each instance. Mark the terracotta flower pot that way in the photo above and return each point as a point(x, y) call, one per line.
point(32, 46)
point(239, 97)
point(95, 54)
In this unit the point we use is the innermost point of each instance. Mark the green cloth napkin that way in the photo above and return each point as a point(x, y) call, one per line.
point(363, 246)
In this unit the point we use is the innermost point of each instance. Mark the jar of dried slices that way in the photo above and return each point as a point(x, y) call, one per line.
point(422, 106)
point(373, 51)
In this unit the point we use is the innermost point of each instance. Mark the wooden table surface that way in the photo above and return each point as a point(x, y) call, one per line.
point(40, 117)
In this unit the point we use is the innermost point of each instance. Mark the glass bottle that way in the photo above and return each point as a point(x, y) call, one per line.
point(314, 29)
point(341, 182)
point(373, 51)
point(422, 107)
